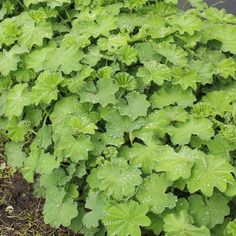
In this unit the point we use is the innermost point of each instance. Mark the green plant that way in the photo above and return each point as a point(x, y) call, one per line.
point(123, 113)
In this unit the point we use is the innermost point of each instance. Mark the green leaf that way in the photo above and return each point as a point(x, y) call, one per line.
point(127, 55)
point(126, 218)
point(36, 59)
point(57, 177)
point(220, 101)
point(171, 95)
point(210, 172)
point(230, 228)
point(185, 78)
point(146, 53)
point(76, 223)
point(31, 165)
point(209, 212)
point(227, 67)
point(103, 94)
point(224, 33)
point(83, 125)
point(33, 33)
point(95, 202)
point(113, 42)
point(122, 110)
point(136, 106)
point(125, 81)
point(154, 72)
point(176, 165)
point(116, 179)
point(34, 115)
point(47, 163)
point(198, 4)
point(57, 3)
point(181, 224)
point(88, 27)
point(171, 1)
point(186, 23)
point(17, 99)
point(134, 3)
point(93, 56)
point(45, 89)
point(159, 121)
point(17, 129)
point(204, 71)
point(182, 132)
point(152, 192)
point(10, 59)
point(74, 148)
point(172, 53)
point(58, 210)
point(51, 3)
point(216, 15)
point(144, 156)
point(117, 125)
point(64, 110)
point(65, 59)
point(9, 32)
point(15, 155)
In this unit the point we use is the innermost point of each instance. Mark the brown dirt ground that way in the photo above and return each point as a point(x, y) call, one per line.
point(20, 211)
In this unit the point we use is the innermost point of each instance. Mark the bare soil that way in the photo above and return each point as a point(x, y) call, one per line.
point(20, 211)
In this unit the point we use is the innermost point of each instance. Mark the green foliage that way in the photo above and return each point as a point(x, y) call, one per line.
point(123, 112)
point(125, 219)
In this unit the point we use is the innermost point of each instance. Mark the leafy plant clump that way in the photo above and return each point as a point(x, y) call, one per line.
point(122, 113)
